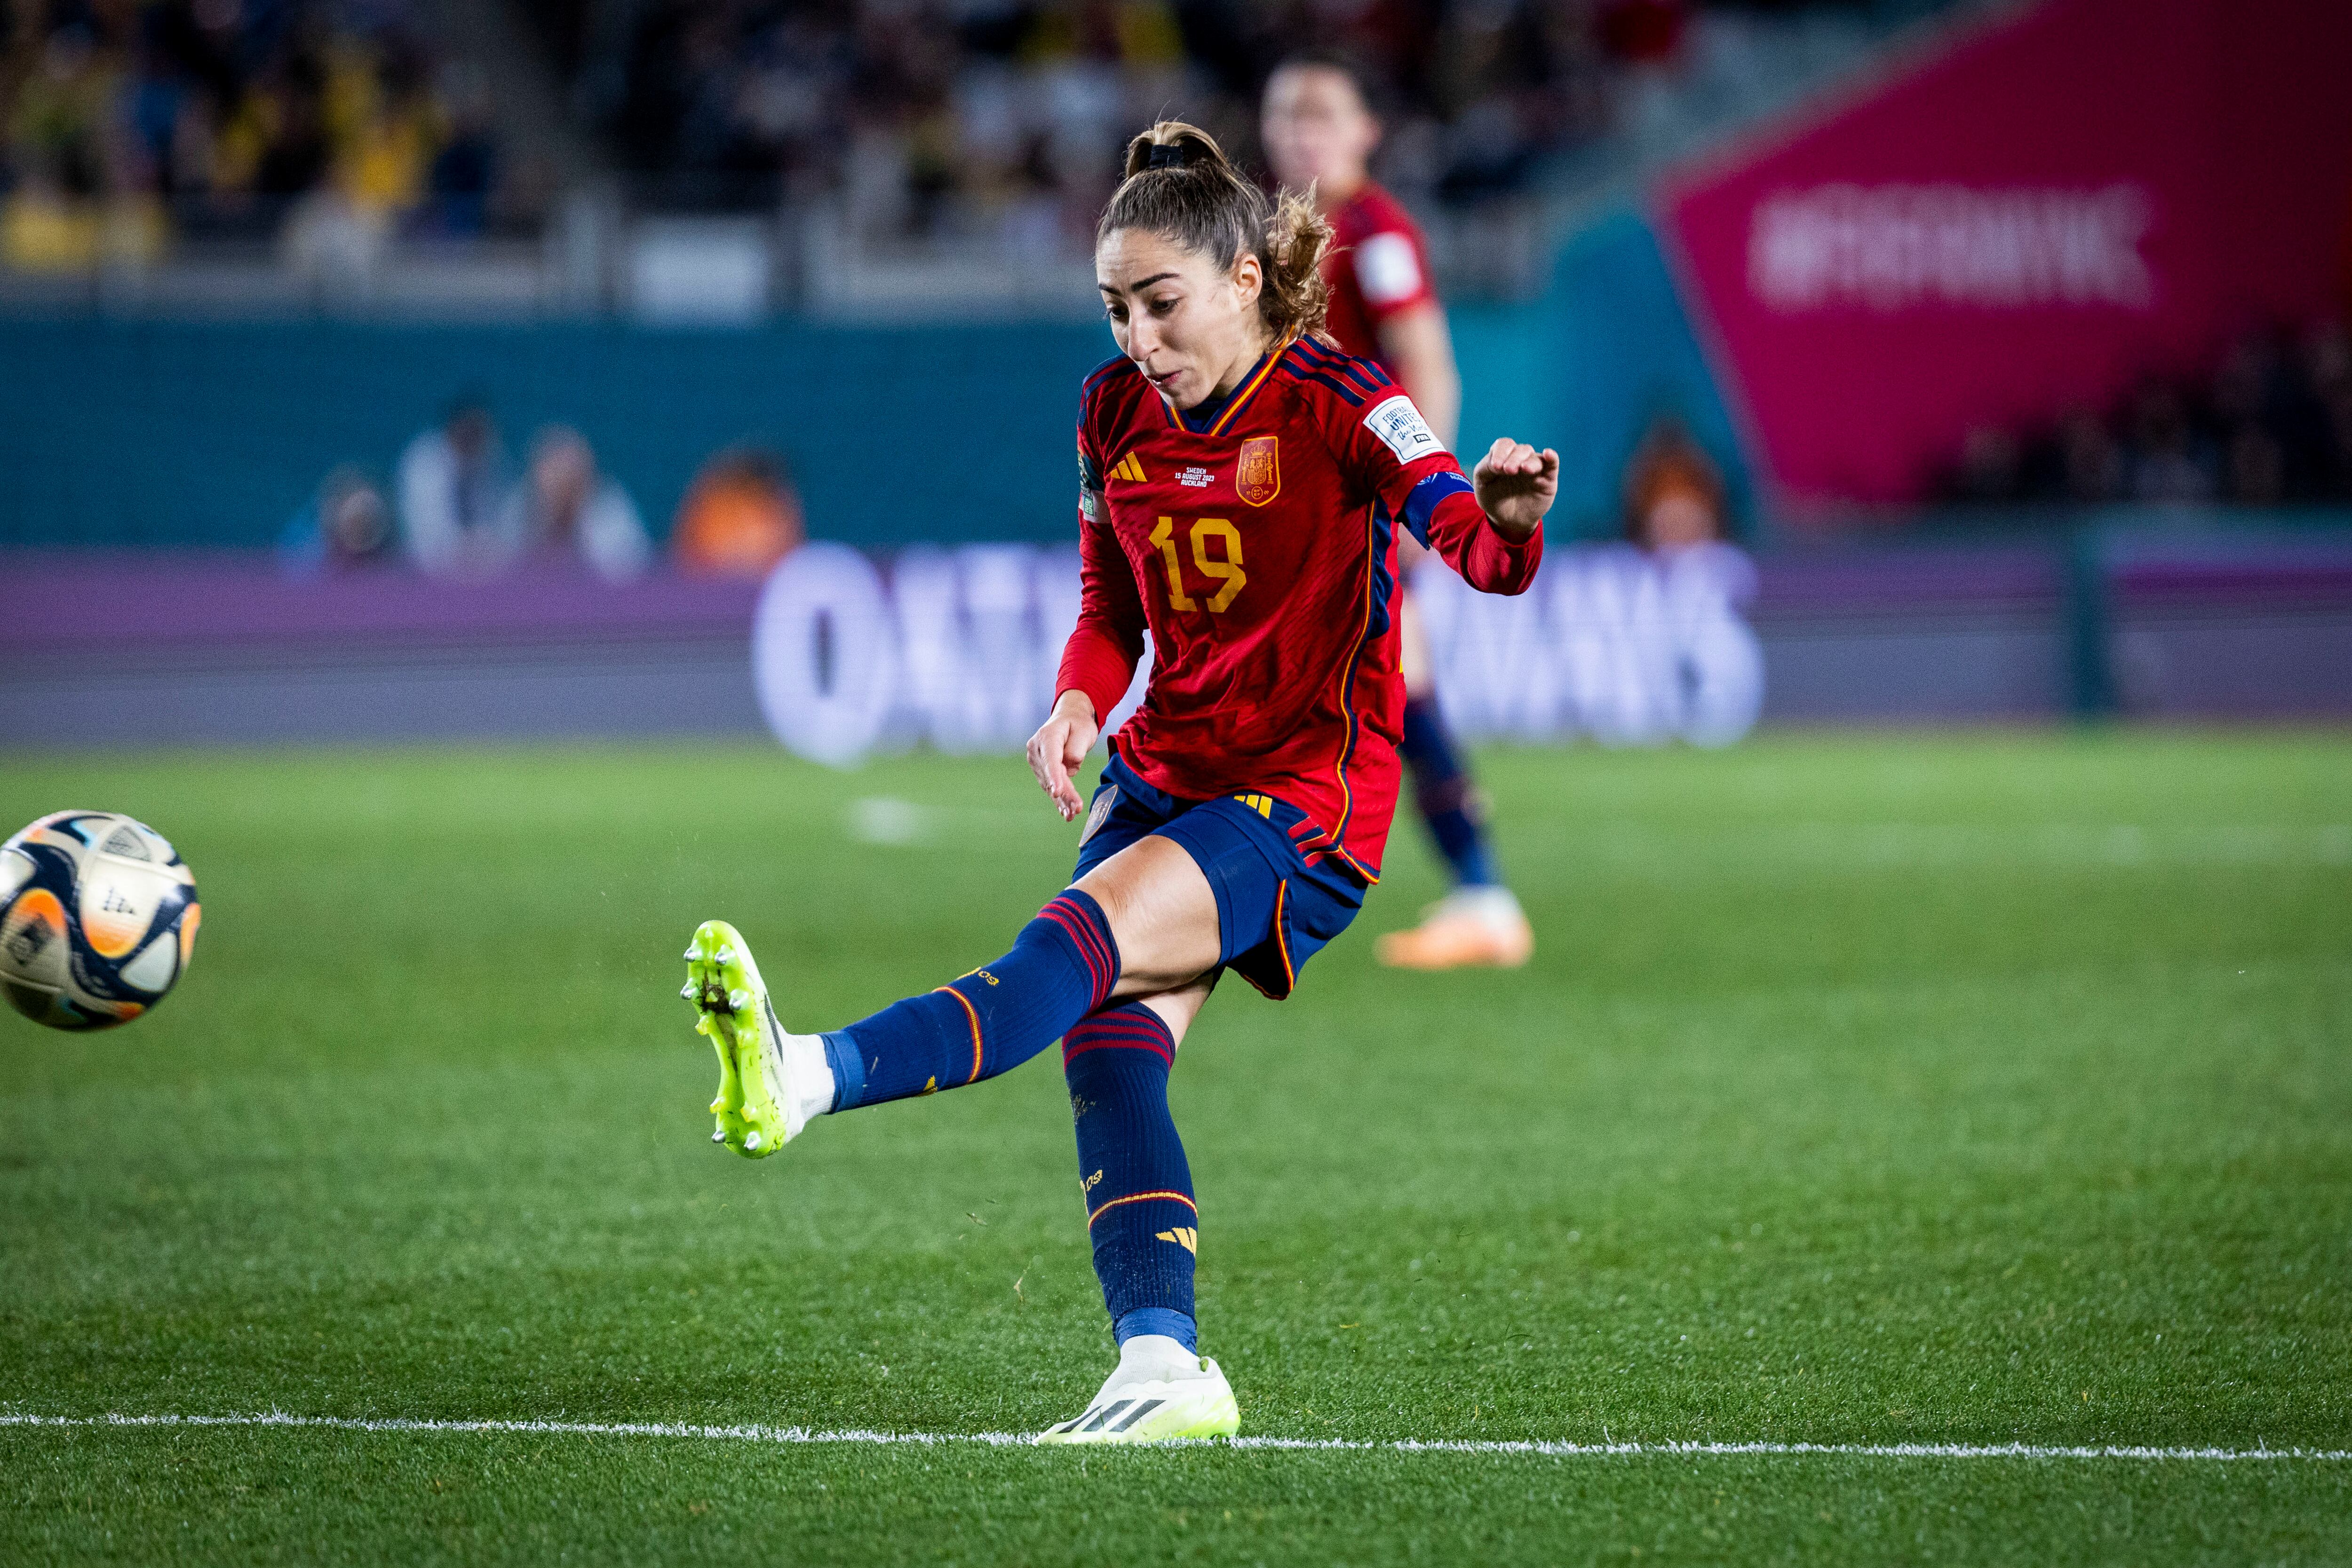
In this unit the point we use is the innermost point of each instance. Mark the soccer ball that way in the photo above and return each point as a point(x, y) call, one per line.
point(98, 918)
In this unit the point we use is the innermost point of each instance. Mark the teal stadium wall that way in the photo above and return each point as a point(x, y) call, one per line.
point(178, 434)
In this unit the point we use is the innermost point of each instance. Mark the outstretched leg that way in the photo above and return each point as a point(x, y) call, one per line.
point(1143, 921)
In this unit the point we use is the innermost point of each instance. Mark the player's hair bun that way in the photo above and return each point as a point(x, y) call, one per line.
point(1180, 185)
point(1172, 144)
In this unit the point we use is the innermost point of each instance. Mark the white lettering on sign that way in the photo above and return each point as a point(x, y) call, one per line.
point(959, 649)
point(1900, 247)
point(1628, 648)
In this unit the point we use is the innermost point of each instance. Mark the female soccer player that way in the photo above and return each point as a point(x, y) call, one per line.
point(1320, 134)
point(1239, 488)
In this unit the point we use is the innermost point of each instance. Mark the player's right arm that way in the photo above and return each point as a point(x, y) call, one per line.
point(1417, 346)
point(1099, 661)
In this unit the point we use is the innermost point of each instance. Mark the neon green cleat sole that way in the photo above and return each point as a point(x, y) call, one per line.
point(724, 985)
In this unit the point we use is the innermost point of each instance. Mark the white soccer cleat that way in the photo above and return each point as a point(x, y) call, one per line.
point(1160, 1392)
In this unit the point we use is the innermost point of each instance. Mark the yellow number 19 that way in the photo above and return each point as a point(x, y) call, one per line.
point(1228, 570)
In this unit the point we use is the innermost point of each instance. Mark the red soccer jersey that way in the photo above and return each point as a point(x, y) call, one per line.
point(1378, 268)
point(1260, 552)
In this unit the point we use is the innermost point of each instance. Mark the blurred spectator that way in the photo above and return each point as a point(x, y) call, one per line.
point(1648, 31)
point(567, 509)
point(465, 171)
point(1992, 466)
point(739, 517)
point(2326, 362)
point(346, 526)
point(1674, 493)
point(455, 517)
point(2166, 462)
point(2091, 464)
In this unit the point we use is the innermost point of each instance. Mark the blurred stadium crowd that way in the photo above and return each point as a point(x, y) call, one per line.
point(991, 108)
point(2270, 425)
point(130, 121)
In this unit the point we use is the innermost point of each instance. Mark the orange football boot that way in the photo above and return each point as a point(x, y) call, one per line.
point(1471, 927)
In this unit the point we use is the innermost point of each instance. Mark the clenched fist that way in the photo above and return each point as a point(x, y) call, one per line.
point(1516, 485)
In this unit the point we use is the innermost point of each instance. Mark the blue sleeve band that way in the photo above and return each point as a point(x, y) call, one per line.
point(1421, 504)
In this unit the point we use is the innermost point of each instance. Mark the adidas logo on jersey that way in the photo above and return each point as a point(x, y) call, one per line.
point(1128, 468)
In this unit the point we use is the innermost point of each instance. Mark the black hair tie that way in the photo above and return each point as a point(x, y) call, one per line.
point(1166, 155)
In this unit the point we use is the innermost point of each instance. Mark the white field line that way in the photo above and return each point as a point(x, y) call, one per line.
point(752, 1434)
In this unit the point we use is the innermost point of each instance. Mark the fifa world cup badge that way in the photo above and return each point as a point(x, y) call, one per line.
point(1258, 478)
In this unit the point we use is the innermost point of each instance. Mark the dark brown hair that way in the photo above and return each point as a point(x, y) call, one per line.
point(1180, 186)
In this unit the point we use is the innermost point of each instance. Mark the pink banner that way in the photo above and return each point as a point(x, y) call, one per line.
point(2062, 200)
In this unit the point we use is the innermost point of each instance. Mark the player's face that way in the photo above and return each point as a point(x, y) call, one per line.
point(1317, 129)
point(1192, 329)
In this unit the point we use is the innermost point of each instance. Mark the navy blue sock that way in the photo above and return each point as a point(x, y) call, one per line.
point(1441, 789)
point(1060, 968)
point(1138, 1191)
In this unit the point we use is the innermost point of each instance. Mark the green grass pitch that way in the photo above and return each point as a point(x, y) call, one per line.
point(1866, 1091)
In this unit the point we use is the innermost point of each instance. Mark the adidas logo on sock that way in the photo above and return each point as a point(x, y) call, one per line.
point(1184, 1236)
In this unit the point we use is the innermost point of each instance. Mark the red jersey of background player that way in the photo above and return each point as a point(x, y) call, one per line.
point(1378, 268)
point(1256, 540)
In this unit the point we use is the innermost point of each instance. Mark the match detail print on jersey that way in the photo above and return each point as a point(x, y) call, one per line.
point(1402, 429)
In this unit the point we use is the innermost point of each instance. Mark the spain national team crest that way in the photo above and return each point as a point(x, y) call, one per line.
point(1259, 477)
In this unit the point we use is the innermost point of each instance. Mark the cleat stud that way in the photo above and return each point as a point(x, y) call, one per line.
point(751, 1140)
point(702, 1024)
point(718, 1136)
point(693, 951)
point(725, 954)
point(690, 990)
point(739, 1000)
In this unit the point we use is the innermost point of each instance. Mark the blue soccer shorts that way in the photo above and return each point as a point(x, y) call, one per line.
point(1274, 910)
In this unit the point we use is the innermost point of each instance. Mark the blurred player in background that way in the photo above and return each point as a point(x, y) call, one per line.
point(1320, 134)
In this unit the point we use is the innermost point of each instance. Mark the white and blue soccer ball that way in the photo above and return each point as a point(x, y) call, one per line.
point(97, 919)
